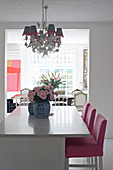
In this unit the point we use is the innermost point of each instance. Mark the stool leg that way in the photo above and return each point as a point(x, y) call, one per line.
point(92, 162)
point(95, 163)
point(88, 160)
point(100, 163)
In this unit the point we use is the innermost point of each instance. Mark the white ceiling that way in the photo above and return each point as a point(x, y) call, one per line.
point(58, 11)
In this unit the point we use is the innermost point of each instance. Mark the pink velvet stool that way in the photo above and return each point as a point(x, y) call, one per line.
point(87, 146)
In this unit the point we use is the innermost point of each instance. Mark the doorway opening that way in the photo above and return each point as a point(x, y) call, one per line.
point(25, 68)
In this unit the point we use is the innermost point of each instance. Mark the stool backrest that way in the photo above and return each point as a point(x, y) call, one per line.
point(90, 117)
point(85, 109)
point(99, 129)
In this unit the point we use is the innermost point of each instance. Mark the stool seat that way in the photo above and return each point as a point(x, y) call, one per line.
point(82, 147)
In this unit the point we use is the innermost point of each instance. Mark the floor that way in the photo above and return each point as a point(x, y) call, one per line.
point(108, 155)
point(107, 158)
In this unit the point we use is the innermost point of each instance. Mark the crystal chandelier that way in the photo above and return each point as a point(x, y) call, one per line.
point(46, 39)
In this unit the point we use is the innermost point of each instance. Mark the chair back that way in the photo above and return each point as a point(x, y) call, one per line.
point(24, 99)
point(61, 92)
point(24, 91)
point(99, 129)
point(90, 117)
point(79, 98)
point(85, 109)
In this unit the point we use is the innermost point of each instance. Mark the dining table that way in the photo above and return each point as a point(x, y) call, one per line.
point(39, 144)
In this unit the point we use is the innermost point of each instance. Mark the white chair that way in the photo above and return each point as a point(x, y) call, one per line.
point(24, 99)
point(79, 99)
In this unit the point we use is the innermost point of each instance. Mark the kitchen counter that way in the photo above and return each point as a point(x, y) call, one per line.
point(29, 143)
point(66, 121)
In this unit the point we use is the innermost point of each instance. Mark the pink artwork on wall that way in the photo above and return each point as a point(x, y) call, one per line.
point(13, 75)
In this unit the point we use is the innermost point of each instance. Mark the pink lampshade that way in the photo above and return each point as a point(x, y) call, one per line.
point(59, 32)
point(26, 30)
point(51, 28)
point(33, 30)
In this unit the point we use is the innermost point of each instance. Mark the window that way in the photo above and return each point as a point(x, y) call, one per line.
point(68, 62)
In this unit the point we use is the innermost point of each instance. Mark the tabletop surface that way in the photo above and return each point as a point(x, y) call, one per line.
point(65, 121)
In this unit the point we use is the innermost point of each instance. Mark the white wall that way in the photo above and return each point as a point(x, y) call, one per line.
point(101, 66)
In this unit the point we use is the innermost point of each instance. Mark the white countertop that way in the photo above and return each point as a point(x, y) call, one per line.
point(66, 121)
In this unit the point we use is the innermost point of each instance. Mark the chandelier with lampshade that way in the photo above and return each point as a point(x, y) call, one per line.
point(45, 39)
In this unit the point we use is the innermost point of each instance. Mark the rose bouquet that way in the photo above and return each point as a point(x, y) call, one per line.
point(42, 93)
point(53, 80)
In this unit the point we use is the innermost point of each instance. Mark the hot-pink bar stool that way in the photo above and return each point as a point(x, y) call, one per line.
point(85, 109)
point(91, 146)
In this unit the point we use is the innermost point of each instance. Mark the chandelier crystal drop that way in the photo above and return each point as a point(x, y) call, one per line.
point(46, 39)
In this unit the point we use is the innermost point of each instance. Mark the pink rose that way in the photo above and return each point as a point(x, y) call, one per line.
point(43, 95)
point(51, 92)
point(43, 87)
point(29, 94)
point(49, 84)
point(30, 91)
point(51, 87)
point(42, 91)
point(37, 89)
point(47, 87)
point(46, 92)
point(33, 93)
point(52, 97)
point(31, 98)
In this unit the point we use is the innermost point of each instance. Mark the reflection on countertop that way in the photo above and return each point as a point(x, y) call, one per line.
point(40, 126)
